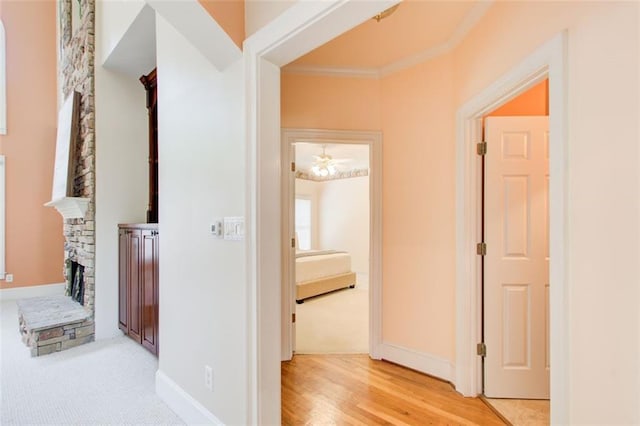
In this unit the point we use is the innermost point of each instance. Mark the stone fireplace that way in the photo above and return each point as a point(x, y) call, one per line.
point(51, 324)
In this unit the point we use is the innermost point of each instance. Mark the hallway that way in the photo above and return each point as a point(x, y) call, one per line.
point(353, 389)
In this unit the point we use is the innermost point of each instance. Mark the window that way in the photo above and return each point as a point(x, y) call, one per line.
point(3, 83)
point(303, 223)
point(2, 246)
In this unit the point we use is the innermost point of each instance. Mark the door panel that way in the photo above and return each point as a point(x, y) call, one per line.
point(123, 309)
point(516, 266)
point(135, 291)
point(516, 216)
point(150, 290)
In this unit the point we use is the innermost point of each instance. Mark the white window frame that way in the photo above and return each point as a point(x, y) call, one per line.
point(306, 198)
point(2, 217)
point(3, 81)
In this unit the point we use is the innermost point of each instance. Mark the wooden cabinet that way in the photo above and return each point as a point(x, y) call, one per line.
point(138, 283)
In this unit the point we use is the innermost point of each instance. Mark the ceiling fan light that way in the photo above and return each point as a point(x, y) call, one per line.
point(316, 170)
point(324, 172)
point(332, 169)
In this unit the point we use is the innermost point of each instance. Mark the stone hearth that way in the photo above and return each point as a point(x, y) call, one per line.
point(54, 323)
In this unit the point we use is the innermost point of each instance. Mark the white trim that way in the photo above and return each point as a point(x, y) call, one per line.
point(374, 141)
point(183, 404)
point(3, 209)
point(470, 20)
point(299, 29)
point(547, 61)
point(419, 361)
point(332, 71)
point(3, 80)
point(32, 291)
point(415, 59)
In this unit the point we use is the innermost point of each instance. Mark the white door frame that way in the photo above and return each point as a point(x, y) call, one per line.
point(547, 61)
point(299, 29)
point(374, 141)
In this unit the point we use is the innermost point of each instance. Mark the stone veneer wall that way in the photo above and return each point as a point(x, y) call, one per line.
point(76, 70)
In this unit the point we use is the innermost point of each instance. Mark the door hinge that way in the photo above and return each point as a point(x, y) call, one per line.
point(481, 349)
point(293, 317)
point(293, 243)
point(481, 249)
point(293, 166)
point(481, 148)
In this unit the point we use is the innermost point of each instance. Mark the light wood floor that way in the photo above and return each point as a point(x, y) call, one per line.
point(353, 389)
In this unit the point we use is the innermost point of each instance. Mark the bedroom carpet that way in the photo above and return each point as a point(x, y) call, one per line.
point(110, 382)
point(335, 323)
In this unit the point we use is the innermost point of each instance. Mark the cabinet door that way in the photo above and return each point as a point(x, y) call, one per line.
point(149, 266)
point(123, 280)
point(135, 288)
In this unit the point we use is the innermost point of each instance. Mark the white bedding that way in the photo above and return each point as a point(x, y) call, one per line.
point(311, 267)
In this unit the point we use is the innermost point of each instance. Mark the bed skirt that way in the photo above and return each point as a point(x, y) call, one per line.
point(323, 285)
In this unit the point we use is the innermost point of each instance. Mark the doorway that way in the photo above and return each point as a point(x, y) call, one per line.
point(547, 62)
point(368, 264)
point(515, 226)
point(331, 227)
point(516, 363)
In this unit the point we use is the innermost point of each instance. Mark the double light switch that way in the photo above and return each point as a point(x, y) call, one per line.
point(229, 228)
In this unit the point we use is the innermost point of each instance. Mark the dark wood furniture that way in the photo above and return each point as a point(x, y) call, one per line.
point(150, 83)
point(138, 283)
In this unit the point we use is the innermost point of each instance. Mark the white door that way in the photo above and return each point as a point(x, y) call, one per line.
point(516, 265)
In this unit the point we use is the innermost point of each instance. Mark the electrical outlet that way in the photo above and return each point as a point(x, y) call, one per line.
point(8, 278)
point(208, 377)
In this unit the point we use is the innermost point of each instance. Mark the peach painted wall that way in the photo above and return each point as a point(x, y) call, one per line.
point(229, 14)
point(330, 103)
point(417, 119)
point(34, 238)
point(534, 101)
point(602, 183)
point(418, 220)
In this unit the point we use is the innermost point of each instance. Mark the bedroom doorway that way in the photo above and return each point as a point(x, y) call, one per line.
point(331, 229)
point(331, 225)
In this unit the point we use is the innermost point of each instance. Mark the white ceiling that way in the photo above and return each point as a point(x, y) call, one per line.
point(358, 155)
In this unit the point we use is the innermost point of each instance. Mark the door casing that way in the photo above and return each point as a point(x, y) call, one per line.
point(548, 61)
point(374, 141)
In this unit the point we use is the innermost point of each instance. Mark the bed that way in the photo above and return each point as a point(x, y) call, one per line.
point(322, 271)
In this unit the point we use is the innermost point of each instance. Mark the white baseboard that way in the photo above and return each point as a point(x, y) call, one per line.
point(419, 361)
point(32, 291)
point(183, 404)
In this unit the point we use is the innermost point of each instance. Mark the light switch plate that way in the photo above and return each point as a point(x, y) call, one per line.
point(234, 228)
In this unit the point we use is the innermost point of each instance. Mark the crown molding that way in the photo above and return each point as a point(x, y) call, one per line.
point(323, 71)
point(415, 59)
point(470, 20)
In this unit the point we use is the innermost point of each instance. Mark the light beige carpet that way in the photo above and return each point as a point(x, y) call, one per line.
point(108, 382)
point(336, 322)
point(523, 412)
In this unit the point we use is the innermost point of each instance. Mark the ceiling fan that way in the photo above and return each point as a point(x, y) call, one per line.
point(325, 165)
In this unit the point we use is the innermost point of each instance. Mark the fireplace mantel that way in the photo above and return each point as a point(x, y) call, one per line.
point(70, 207)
